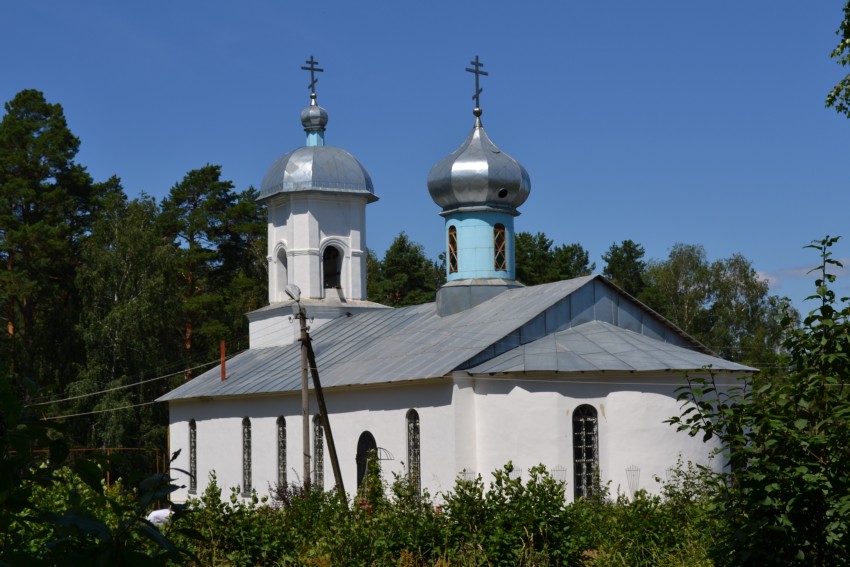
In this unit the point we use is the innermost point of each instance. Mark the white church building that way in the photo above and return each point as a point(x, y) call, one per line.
point(575, 375)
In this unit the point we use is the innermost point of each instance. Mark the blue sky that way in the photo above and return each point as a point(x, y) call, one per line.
point(661, 121)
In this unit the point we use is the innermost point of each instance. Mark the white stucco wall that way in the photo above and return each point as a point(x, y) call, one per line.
point(528, 421)
point(472, 423)
point(382, 411)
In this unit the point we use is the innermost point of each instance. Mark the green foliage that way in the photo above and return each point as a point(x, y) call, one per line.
point(99, 292)
point(539, 261)
point(787, 500)
point(839, 96)
point(57, 515)
point(724, 304)
point(624, 266)
point(46, 205)
point(128, 272)
point(510, 522)
point(405, 276)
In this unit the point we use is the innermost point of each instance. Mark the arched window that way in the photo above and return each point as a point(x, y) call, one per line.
point(585, 450)
point(318, 453)
point(499, 246)
point(281, 451)
point(332, 267)
point(246, 457)
point(193, 457)
point(282, 272)
point(413, 467)
point(452, 249)
point(365, 444)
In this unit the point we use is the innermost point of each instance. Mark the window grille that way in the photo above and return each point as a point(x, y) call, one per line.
point(499, 245)
point(246, 457)
point(585, 450)
point(318, 453)
point(281, 451)
point(413, 465)
point(452, 249)
point(193, 457)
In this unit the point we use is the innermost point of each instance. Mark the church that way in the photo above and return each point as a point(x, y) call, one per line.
point(575, 375)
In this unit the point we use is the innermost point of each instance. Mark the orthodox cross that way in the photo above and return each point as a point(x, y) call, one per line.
point(313, 70)
point(478, 72)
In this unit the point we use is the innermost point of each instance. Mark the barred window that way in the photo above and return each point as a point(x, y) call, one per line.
point(281, 451)
point(246, 457)
point(318, 453)
point(585, 450)
point(452, 249)
point(499, 245)
point(413, 464)
point(193, 457)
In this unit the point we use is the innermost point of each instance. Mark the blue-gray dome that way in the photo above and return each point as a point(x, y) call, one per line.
point(478, 176)
point(317, 168)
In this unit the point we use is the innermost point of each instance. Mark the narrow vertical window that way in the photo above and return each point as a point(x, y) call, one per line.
point(501, 253)
point(246, 457)
point(193, 457)
point(318, 453)
point(413, 463)
point(281, 451)
point(585, 450)
point(452, 249)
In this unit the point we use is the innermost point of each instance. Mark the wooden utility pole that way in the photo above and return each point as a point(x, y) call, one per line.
point(323, 411)
point(305, 400)
point(308, 360)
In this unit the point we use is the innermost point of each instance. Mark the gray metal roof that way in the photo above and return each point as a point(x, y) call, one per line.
point(414, 343)
point(317, 168)
point(597, 346)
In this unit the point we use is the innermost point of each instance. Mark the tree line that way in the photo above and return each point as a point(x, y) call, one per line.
point(103, 293)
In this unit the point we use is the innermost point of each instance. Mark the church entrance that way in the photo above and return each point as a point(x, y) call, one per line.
point(365, 444)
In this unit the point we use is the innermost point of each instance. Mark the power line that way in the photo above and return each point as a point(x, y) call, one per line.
point(126, 385)
point(96, 411)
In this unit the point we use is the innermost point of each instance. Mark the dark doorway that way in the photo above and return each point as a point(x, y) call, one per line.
point(365, 445)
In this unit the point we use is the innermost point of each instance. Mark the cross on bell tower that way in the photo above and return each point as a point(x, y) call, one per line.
point(313, 79)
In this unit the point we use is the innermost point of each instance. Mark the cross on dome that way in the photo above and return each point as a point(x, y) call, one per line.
point(478, 72)
point(313, 80)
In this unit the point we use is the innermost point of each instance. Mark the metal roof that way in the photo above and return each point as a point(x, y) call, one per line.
point(317, 168)
point(597, 346)
point(414, 343)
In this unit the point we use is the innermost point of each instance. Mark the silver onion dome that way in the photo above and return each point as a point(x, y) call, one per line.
point(317, 168)
point(478, 176)
point(314, 118)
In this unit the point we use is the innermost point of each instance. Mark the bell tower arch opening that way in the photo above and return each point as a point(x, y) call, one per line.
point(282, 272)
point(332, 268)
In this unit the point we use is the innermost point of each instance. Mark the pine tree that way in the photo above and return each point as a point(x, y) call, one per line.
point(47, 203)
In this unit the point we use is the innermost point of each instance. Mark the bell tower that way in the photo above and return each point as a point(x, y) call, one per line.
point(316, 197)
